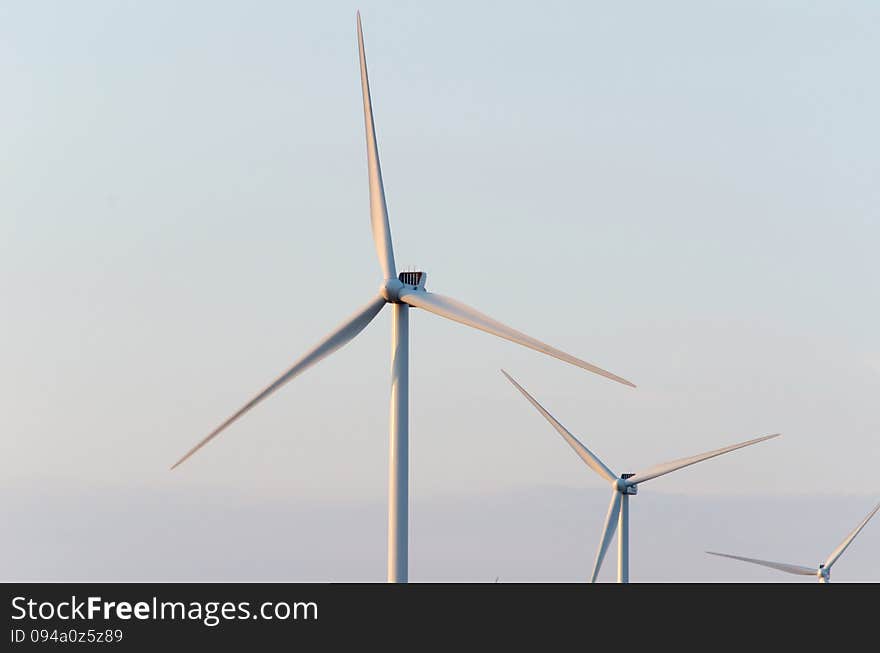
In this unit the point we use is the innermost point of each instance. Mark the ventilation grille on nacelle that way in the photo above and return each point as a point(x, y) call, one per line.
point(410, 278)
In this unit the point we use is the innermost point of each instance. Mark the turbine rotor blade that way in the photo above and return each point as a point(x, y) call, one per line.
point(666, 468)
point(608, 532)
point(378, 209)
point(585, 454)
point(849, 538)
point(454, 310)
point(341, 336)
point(781, 566)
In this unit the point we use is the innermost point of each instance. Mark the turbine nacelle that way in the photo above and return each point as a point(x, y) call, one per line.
point(626, 488)
point(405, 282)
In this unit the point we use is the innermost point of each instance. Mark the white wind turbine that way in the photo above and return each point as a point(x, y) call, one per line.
point(402, 292)
point(623, 486)
point(823, 571)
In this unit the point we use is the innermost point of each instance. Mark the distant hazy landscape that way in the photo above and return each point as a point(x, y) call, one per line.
point(545, 533)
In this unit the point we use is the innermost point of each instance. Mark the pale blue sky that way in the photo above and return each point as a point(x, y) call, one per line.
point(685, 194)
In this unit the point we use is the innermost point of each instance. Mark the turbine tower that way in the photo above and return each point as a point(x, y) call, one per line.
point(823, 571)
point(623, 486)
point(403, 291)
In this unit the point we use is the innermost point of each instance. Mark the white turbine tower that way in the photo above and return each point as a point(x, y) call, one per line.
point(402, 292)
point(622, 487)
point(823, 571)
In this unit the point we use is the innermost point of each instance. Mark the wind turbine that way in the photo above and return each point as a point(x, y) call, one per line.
point(623, 486)
point(823, 571)
point(401, 291)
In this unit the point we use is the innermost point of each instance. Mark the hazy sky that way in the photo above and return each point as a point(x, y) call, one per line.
point(684, 194)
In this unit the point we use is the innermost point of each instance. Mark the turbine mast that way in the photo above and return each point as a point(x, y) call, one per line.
point(398, 448)
point(623, 530)
point(623, 540)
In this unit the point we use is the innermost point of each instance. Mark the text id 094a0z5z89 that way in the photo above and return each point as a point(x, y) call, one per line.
point(64, 636)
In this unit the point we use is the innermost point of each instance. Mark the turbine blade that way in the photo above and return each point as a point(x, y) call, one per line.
point(585, 454)
point(378, 209)
point(607, 533)
point(666, 468)
point(342, 335)
point(849, 538)
point(781, 566)
point(454, 310)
